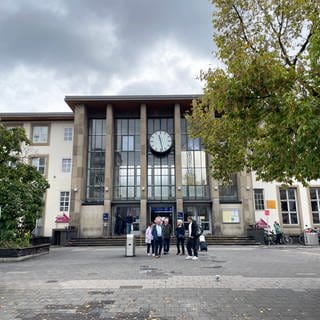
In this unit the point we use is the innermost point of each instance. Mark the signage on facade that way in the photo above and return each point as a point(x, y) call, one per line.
point(106, 216)
point(267, 212)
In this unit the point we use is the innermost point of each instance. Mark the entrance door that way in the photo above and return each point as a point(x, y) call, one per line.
point(164, 212)
point(202, 214)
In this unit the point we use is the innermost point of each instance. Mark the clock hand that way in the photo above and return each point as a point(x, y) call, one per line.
point(160, 142)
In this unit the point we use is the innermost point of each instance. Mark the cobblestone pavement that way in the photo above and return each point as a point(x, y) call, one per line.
point(227, 283)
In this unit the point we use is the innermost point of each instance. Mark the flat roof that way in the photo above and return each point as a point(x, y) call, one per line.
point(36, 116)
point(127, 100)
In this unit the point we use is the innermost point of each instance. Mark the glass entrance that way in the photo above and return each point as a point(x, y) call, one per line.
point(163, 212)
point(202, 214)
point(120, 213)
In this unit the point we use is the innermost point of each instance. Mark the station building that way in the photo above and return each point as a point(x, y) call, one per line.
point(120, 155)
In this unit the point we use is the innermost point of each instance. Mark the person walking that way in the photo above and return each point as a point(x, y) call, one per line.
point(157, 233)
point(278, 232)
point(192, 242)
point(149, 239)
point(166, 236)
point(179, 232)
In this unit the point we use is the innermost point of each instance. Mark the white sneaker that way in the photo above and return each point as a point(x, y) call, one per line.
point(148, 254)
point(194, 258)
point(188, 257)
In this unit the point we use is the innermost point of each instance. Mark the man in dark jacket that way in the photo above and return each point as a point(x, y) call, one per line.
point(166, 236)
point(192, 243)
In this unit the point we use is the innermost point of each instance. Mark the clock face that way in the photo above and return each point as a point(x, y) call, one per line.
point(160, 141)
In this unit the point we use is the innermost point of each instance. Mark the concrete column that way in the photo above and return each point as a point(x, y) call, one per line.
point(216, 217)
point(79, 164)
point(108, 179)
point(178, 163)
point(246, 196)
point(144, 168)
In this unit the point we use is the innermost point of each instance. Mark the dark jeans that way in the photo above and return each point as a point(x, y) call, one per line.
point(158, 246)
point(192, 245)
point(166, 245)
point(180, 243)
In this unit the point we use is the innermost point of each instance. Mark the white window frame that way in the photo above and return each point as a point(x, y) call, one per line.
point(40, 134)
point(64, 203)
point(67, 134)
point(66, 165)
point(40, 163)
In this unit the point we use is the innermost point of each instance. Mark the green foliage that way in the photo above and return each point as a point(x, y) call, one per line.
point(260, 111)
point(21, 190)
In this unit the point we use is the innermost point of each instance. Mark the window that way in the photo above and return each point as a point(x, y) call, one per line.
point(127, 159)
point(315, 204)
point(67, 134)
point(127, 143)
point(288, 206)
point(39, 163)
point(229, 192)
point(66, 165)
point(40, 134)
point(258, 199)
point(96, 160)
point(195, 184)
point(64, 201)
point(161, 169)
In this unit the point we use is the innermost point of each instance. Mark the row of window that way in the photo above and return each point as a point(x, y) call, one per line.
point(40, 164)
point(40, 134)
point(288, 204)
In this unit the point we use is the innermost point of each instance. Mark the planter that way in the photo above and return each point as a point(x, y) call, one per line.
point(19, 254)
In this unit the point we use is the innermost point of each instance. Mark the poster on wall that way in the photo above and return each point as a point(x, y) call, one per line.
point(230, 216)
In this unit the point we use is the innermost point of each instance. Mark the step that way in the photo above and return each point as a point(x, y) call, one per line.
point(139, 241)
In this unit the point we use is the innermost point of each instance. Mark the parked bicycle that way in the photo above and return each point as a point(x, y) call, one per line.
point(270, 238)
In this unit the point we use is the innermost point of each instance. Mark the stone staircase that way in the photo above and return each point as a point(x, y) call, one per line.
point(139, 241)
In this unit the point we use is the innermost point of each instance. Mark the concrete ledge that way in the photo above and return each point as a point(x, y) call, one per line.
point(20, 254)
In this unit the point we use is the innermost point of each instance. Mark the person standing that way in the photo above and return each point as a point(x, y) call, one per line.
point(118, 224)
point(278, 232)
point(192, 242)
point(157, 233)
point(129, 222)
point(166, 236)
point(179, 232)
point(149, 239)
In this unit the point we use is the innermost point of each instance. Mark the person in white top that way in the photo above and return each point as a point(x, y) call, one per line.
point(192, 242)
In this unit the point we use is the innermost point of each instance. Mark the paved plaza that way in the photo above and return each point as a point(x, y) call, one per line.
point(91, 283)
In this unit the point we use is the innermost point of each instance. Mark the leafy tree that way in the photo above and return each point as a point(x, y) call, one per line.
point(21, 190)
point(260, 109)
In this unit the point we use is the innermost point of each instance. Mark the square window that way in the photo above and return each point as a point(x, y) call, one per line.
point(40, 134)
point(39, 163)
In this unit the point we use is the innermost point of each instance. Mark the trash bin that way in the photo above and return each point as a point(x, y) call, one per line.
point(130, 246)
point(311, 239)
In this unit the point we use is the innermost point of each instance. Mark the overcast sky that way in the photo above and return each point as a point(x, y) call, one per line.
point(53, 48)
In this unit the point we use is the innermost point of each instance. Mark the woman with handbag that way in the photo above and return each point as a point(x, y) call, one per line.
point(179, 232)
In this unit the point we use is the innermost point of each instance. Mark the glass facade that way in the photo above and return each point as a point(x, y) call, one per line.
point(229, 193)
point(127, 159)
point(96, 160)
point(194, 167)
point(161, 168)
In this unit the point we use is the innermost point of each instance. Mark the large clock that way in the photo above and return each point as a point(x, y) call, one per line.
point(160, 141)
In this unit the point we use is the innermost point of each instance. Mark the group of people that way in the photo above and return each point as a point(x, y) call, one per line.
point(123, 226)
point(158, 235)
